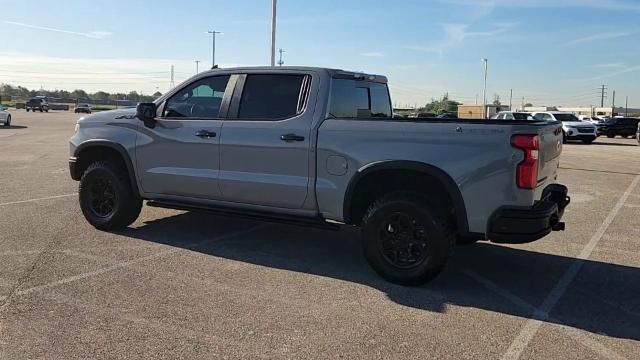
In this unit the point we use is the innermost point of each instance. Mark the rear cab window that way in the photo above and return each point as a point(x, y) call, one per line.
point(357, 99)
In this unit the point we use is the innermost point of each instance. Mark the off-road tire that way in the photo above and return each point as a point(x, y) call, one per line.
point(8, 122)
point(435, 225)
point(126, 204)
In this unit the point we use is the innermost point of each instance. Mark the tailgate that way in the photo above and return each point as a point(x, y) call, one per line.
point(549, 153)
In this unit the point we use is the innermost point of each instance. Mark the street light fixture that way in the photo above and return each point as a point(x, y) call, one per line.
point(213, 46)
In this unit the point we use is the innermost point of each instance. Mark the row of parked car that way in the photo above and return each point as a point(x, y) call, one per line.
point(41, 104)
point(586, 129)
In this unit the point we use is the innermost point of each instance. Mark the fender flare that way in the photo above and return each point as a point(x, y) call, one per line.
point(117, 147)
point(452, 188)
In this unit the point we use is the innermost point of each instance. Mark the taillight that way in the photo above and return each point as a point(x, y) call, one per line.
point(527, 171)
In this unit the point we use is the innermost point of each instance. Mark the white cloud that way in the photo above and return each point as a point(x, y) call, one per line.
point(610, 66)
point(373, 54)
point(631, 5)
point(458, 33)
point(624, 69)
point(90, 35)
point(600, 36)
point(93, 74)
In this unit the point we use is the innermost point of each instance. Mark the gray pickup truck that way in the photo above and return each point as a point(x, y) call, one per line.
point(321, 147)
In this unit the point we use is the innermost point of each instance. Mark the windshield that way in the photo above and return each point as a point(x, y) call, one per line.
point(566, 117)
point(522, 116)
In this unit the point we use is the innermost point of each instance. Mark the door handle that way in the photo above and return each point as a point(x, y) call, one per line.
point(291, 137)
point(205, 134)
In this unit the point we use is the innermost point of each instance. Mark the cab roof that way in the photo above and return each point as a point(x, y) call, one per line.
point(334, 73)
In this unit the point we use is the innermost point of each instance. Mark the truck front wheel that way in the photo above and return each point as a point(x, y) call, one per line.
point(106, 197)
point(407, 241)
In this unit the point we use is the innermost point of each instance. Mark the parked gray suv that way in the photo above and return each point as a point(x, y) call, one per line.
point(320, 147)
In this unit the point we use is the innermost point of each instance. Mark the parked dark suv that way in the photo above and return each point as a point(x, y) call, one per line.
point(624, 127)
point(37, 104)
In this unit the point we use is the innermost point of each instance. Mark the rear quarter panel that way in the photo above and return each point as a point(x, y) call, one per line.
point(478, 157)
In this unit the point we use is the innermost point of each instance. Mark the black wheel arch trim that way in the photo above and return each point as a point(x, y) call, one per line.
point(441, 175)
point(115, 146)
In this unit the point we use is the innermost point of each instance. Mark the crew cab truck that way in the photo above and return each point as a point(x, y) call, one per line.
point(320, 147)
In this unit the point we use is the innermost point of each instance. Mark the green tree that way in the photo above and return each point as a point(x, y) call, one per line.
point(101, 95)
point(445, 105)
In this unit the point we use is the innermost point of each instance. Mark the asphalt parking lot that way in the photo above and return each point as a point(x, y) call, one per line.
point(185, 285)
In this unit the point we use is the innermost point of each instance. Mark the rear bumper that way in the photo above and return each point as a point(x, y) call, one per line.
point(582, 137)
point(522, 225)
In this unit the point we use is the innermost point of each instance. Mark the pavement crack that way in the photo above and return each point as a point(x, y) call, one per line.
point(43, 256)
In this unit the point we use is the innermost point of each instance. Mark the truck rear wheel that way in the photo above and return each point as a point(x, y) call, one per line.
point(407, 241)
point(106, 197)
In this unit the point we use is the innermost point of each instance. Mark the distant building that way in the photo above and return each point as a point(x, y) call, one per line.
point(475, 111)
point(584, 110)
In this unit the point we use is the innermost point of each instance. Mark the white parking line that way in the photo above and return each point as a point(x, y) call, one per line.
point(39, 199)
point(541, 313)
point(126, 263)
point(580, 336)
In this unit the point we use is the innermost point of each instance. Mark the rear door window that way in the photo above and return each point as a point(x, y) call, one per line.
point(271, 97)
point(353, 99)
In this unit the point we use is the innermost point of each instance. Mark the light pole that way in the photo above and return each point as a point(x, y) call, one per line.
point(213, 46)
point(273, 32)
point(197, 66)
point(484, 90)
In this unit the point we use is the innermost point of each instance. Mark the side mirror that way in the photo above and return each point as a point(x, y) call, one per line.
point(147, 113)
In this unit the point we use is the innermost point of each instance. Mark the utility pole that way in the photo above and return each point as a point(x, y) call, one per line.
point(626, 106)
point(484, 90)
point(213, 46)
point(197, 66)
point(510, 99)
point(273, 32)
point(476, 99)
point(173, 83)
point(602, 94)
point(613, 103)
point(522, 104)
point(280, 62)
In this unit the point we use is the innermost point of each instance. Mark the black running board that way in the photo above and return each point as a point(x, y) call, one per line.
point(318, 222)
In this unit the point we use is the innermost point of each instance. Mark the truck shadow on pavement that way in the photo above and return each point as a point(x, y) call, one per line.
point(13, 127)
point(604, 298)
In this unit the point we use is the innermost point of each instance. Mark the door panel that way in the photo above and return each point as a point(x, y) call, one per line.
point(264, 158)
point(257, 167)
point(173, 160)
point(180, 155)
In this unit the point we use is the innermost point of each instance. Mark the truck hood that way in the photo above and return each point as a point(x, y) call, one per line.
point(109, 116)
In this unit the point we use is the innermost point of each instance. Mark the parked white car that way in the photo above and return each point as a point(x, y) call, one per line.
point(5, 116)
point(593, 120)
point(572, 127)
point(513, 115)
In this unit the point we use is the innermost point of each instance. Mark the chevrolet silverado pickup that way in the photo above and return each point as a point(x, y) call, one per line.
point(321, 147)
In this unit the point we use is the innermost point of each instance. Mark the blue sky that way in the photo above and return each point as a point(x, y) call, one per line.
point(552, 52)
